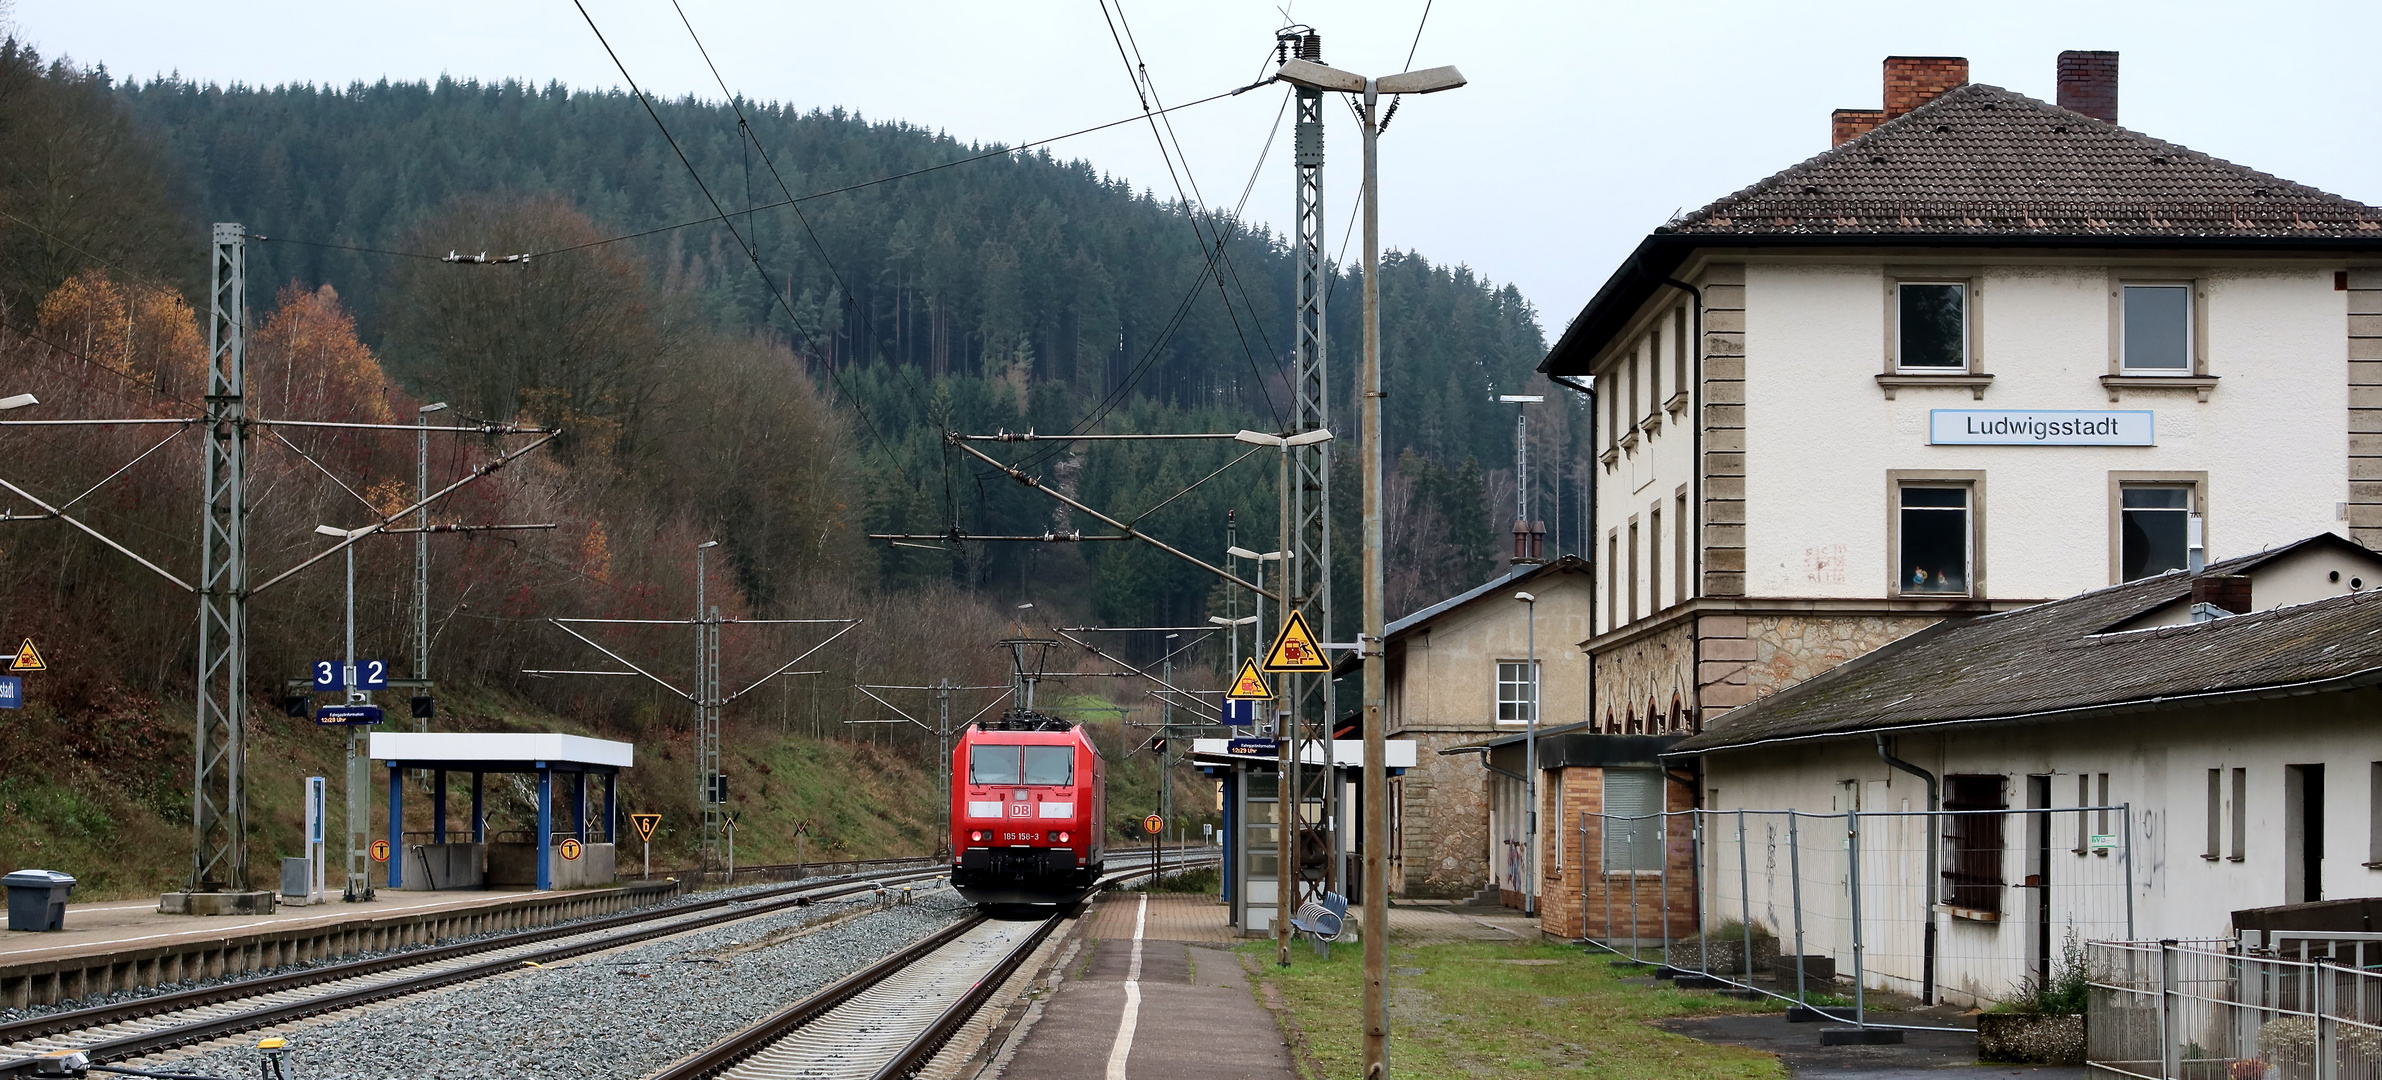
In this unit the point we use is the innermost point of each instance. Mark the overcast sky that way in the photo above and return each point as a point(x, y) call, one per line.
point(1585, 125)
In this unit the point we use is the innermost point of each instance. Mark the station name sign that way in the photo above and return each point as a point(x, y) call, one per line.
point(2040, 427)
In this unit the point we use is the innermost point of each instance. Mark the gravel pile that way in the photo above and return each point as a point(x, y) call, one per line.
point(617, 1015)
point(114, 997)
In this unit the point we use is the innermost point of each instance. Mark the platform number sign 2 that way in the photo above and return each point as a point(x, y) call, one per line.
point(370, 675)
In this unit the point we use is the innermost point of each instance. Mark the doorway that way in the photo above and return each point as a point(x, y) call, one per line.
point(2038, 874)
point(2303, 834)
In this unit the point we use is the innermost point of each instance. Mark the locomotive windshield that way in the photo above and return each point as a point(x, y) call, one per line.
point(1012, 764)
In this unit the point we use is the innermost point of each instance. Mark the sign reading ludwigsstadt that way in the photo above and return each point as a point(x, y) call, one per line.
point(2040, 427)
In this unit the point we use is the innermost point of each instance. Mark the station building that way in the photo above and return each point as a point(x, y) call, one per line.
point(1984, 352)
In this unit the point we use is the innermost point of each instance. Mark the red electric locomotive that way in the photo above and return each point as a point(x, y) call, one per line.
point(1028, 794)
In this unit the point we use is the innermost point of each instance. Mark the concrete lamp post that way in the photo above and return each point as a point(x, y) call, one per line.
point(1313, 76)
point(1530, 764)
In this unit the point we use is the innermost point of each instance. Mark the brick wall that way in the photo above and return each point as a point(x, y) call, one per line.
point(2365, 406)
point(1912, 81)
point(1579, 888)
point(1845, 125)
point(2088, 83)
point(1723, 401)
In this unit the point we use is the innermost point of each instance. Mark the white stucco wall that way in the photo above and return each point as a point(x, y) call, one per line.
point(1821, 435)
point(2157, 763)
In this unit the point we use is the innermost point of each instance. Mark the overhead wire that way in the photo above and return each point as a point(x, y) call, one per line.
point(751, 255)
point(1137, 72)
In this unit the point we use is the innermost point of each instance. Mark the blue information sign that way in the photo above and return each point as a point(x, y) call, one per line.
point(12, 692)
point(348, 714)
point(1253, 748)
point(1241, 713)
point(370, 675)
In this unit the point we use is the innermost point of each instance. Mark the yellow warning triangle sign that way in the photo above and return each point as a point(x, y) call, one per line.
point(645, 824)
point(1250, 686)
point(1295, 648)
point(28, 658)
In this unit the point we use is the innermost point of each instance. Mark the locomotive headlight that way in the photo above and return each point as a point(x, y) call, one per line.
point(1061, 836)
point(976, 836)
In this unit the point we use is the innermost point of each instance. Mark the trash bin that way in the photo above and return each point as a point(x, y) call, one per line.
point(37, 899)
point(297, 878)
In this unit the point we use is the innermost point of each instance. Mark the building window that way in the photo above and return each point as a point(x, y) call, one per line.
point(1517, 692)
point(1632, 821)
point(1612, 579)
point(1654, 371)
point(2156, 329)
point(2241, 815)
point(2154, 530)
point(2373, 841)
point(1682, 565)
point(1935, 540)
point(1932, 322)
point(1654, 558)
point(1973, 844)
point(1633, 570)
point(1679, 349)
point(2216, 812)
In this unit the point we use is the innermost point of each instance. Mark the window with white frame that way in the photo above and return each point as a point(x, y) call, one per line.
point(2156, 329)
point(1931, 326)
point(2154, 529)
point(1934, 528)
point(1517, 691)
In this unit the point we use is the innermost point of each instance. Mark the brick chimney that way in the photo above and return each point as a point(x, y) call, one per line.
point(2088, 83)
point(2230, 592)
point(1911, 81)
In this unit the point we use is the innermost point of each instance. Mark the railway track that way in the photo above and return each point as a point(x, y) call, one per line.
point(888, 1020)
point(150, 1025)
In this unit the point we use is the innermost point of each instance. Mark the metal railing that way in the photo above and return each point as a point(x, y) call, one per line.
point(2213, 1010)
point(1963, 906)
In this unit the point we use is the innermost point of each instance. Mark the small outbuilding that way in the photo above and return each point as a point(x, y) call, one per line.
point(573, 851)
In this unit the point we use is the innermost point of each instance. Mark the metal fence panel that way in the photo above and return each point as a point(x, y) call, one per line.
point(2213, 1010)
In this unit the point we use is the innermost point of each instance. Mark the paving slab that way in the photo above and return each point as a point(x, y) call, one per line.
point(1193, 1016)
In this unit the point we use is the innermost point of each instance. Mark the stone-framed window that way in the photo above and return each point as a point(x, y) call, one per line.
point(1937, 521)
point(2153, 518)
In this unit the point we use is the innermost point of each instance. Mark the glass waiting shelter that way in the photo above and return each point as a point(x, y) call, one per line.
point(1248, 773)
point(567, 850)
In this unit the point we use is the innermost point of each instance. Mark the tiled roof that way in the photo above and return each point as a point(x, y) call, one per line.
point(1981, 161)
point(2064, 657)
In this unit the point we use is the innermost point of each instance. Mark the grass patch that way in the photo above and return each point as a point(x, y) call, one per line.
point(1469, 1010)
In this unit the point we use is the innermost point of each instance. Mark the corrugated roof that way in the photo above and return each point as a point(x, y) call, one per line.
point(2064, 656)
point(1982, 161)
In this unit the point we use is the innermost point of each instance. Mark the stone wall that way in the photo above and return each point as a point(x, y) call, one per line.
point(1444, 819)
point(2364, 287)
point(1788, 649)
point(1655, 669)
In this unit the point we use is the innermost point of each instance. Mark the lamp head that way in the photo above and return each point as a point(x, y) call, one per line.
point(1426, 81)
point(1525, 598)
point(1521, 399)
point(707, 544)
point(1309, 438)
point(1314, 76)
point(435, 406)
point(18, 401)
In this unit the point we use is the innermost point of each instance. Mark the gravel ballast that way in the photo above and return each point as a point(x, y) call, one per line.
point(620, 1014)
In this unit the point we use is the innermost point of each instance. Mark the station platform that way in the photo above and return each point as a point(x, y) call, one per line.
point(130, 944)
point(1171, 958)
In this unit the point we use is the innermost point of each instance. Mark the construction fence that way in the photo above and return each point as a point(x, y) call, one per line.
point(2220, 1010)
point(1968, 907)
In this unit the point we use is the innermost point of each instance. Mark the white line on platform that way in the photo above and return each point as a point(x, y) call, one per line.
point(1132, 1018)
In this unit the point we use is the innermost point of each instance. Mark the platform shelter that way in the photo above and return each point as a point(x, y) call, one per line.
point(564, 857)
point(1249, 772)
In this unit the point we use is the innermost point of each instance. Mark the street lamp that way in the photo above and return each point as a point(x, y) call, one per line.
point(1530, 766)
point(359, 781)
point(18, 401)
point(1314, 76)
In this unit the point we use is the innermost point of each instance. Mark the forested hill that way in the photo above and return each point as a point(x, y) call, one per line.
point(1043, 290)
